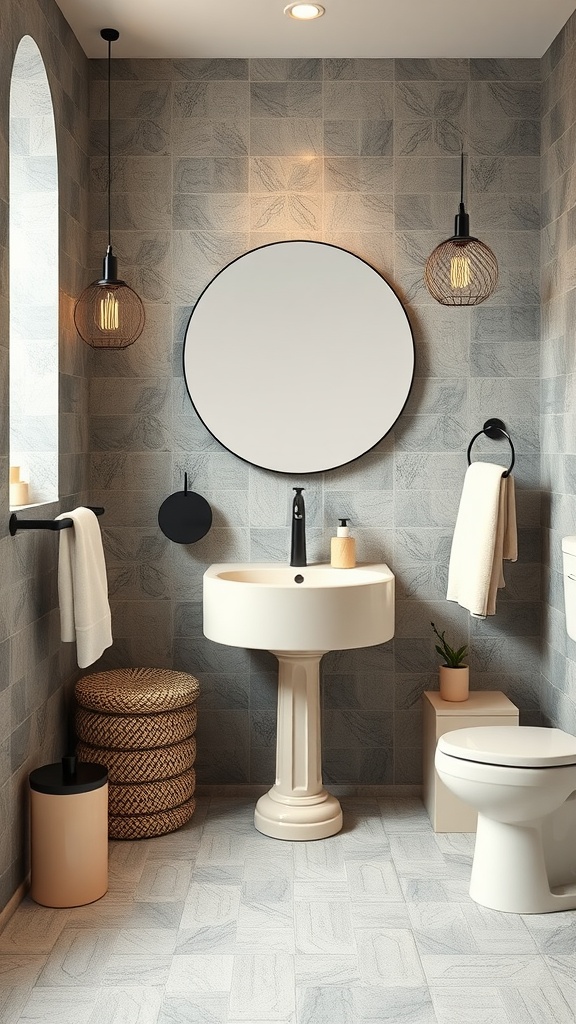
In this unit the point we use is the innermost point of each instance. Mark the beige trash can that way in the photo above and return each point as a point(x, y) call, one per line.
point(68, 833)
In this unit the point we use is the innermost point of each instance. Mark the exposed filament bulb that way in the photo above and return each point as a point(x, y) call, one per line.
point(460, 272)
point(109, 312)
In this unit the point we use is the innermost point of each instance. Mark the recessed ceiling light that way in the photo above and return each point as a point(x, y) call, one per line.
point(304, 12)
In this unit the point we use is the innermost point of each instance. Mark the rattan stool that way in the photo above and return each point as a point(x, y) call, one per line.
point(140, 724)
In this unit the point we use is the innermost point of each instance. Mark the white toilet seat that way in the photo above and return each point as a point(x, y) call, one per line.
point(510, 746)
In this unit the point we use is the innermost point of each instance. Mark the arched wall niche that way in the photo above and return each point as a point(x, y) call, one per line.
point(34, 280)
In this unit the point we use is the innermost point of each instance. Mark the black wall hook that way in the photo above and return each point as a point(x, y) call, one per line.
point(494, 429)
point(185, 517)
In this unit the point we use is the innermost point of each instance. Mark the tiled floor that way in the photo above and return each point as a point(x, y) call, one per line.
point(221, 925)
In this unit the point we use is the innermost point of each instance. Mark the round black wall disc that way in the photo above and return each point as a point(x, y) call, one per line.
point(185, 517)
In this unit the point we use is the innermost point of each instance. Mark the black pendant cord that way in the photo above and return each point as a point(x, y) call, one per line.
point(109, 139)
point(110, 271)
point(462, 220)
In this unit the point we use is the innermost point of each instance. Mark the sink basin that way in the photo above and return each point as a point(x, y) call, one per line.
point(299, 615)
point(282, 608)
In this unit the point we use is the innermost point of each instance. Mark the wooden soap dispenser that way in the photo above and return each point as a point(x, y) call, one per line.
point(343, 547)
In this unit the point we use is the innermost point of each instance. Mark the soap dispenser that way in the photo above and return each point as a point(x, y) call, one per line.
point(343, 547)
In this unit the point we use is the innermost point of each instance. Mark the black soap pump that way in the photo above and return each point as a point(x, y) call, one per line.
point(298, 543)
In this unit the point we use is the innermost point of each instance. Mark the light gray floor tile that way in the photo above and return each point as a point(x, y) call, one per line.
point(319, 861)
point(79, 958)
point(512, 971)
point(12, 1002)
point(388, 957)
point(535, 1005)
point(127, 1005)
point(60, 1006)
point(135, 971)
point(323, 927)
point(325, 1004)
point(322, 890)
point(265, 927)
point(391, 1005)
point(215, 938)
point(194, 1009)
point(403, 814)
point(373, 880)
point(210, 904)
point(163, 881)
point(474, 1006)
point(318, 970)
point(262, 988)
point(143, 941)
point(553, 933)
point(203, 973)
point(128, 915)
point(33, 929)
point(372, 914)
point(18, 969)
point(413, 847)
point(563, 970)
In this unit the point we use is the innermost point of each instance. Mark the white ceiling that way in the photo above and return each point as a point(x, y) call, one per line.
point(350, 28)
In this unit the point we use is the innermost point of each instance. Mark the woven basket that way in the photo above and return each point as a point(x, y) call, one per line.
point(142, 765)
point(137, 691)
point(144, 826)
point(151, 797)
point(135, 732)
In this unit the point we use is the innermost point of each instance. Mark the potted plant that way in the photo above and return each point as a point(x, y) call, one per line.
point(454, 676)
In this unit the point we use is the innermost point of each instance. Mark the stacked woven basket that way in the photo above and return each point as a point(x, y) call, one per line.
point(140, 724)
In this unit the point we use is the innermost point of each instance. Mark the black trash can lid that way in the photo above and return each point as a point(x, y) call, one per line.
point(68, 776)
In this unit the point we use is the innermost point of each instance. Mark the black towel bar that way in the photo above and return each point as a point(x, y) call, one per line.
point(493, 429)
point(15, 524)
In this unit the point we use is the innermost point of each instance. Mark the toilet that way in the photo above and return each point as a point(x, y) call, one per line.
point(522, 782)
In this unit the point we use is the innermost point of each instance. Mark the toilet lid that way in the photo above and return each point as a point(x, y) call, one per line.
point(517, 746)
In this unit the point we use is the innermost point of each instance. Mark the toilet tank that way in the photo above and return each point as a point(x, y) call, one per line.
point(569, 569)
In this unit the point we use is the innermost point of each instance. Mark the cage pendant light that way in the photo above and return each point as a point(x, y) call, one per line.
point(109, 314)
point(462, 271)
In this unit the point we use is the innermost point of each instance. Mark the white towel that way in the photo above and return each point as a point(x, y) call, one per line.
point(484, 535)
point(83, 587)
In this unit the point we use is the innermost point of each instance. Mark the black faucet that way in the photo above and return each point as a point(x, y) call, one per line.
point(298, 545)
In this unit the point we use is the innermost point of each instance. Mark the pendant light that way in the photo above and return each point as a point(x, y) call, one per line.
point(109, 314)
point(462, 271)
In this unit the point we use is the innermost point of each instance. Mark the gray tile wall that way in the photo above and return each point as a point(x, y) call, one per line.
point(558, 369)
point(212, 158)
point(35, 669)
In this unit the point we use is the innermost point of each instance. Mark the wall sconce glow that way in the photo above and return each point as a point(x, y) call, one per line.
point(304, 12)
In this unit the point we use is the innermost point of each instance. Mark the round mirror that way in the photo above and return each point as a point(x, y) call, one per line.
point(298, 357)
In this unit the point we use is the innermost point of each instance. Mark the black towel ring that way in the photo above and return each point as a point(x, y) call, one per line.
point(493, 429)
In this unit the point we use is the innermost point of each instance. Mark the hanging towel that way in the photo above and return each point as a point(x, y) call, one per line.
point(484, 536)
point(83, 587)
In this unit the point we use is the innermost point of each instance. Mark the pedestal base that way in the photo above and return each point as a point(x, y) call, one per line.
point(298, 807)
point(299, 820)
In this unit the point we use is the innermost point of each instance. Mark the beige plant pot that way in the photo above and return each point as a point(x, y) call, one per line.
point(454, 682)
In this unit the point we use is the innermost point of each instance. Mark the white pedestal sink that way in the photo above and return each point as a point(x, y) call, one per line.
point(298, 615)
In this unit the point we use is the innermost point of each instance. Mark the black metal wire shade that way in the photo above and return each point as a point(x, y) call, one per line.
point(462, 271)
point(109, 314)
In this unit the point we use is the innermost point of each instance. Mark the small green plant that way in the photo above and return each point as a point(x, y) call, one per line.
point(452, 658)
